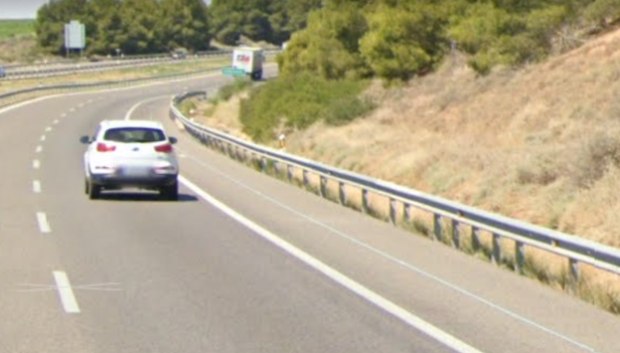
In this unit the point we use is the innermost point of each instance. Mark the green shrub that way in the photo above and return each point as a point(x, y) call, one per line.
point(229, 90)
point(297, 101)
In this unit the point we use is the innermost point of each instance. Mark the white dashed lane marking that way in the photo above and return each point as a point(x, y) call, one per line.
point(36, 164)
point(44, 225)
point(67, 298)
point(36, 187)
point(39, 149)
point(42, 137)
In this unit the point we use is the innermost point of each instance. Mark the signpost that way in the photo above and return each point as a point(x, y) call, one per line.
point(75, 36)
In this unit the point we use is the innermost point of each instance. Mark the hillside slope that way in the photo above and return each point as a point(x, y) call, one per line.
point(541, 144)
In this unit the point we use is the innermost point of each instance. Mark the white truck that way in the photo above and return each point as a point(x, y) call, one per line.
point(249, 61)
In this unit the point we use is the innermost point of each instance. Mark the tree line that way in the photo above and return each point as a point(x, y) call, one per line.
point(155, 26)
point(398, 39)
point(391, 39)
point(131, 26)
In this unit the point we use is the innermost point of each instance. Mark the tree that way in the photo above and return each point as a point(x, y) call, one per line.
point(140, 26)
point(329, 46)
point(51, 18)
point(103, 26)
point(185, 24)
point(401, 43)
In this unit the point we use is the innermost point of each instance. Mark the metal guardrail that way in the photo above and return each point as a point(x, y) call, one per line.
point(449, 218)
point(13, 97)
point(56, 68)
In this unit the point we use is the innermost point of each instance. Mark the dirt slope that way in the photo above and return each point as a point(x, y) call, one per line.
point(541, 144)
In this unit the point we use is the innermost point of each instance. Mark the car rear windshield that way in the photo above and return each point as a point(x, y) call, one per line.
point(134, 135)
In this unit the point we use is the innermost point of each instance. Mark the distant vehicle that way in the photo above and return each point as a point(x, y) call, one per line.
point(2, 72)
point(249, 61)
point(178, 54)
point(130, 153)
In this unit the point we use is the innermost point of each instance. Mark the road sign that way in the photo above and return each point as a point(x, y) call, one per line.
point(231, 71)
point(75, 35)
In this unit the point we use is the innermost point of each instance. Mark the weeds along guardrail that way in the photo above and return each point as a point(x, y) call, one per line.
point(56, 69)
point(451, 221)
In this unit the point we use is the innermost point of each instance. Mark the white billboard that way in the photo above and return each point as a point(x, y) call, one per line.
point(75, 35)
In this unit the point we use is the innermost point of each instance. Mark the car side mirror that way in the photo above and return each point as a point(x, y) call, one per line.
point(173, 140)
point(85, 140)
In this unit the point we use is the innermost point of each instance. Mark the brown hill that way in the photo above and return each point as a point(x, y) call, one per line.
point(541, 144)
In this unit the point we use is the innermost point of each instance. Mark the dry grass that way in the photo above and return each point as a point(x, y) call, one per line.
point(540, 144)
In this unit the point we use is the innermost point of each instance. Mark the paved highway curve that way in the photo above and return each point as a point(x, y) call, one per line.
point(242, 263)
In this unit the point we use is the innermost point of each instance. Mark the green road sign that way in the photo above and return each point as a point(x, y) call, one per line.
point(231, 71)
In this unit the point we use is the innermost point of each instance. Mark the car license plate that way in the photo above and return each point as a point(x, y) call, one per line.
point(134, 171)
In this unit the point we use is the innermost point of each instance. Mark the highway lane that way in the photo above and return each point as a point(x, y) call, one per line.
point(184, 277)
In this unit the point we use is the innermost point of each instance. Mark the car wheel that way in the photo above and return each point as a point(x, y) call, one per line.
point(170, 192)
point(93, 190)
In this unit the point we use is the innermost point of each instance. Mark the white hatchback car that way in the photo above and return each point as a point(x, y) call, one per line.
point(130, 153)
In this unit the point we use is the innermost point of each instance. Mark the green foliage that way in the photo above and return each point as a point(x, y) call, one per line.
point(495, 36)
point(329, 46)
point(402, 43)
point(603, 12)
point(132, 26)
point(227, 91)
point(297, 101)
point(16, 28)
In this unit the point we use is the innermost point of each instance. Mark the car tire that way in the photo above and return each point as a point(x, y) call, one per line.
point(94, 191)
point(170, 192)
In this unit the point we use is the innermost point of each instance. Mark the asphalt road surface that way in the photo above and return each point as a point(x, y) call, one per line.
point(241, 263)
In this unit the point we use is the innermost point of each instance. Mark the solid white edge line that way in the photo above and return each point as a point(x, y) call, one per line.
point(36, 187)
point(67, 298)
point(367, 294)
point(44, 225)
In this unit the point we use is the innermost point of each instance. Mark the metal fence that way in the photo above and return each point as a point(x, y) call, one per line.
point(451, 221)
point(16, 96)
point(16, 72)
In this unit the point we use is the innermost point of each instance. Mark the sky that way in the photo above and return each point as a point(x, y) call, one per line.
point(23, 9)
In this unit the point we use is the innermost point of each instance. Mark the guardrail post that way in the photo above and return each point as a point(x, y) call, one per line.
point(323, 186)
point(263, 164)
point(289, 173)
point(393, 211)
point(456, 236)
point(365, 202)
point(573, 276)
point(496, 254)
point(519, 257)
point(342, 196)
point(437, 231)
point(475, 239)
point(305, 178)
point(407, 212)
point(276, 168)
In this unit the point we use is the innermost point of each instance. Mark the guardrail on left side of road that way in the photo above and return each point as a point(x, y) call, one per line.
point(17, 96)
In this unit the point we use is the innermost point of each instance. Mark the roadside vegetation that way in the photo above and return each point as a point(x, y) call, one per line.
point(17, 41)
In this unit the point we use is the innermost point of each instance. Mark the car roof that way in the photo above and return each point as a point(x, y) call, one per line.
point(131, 123)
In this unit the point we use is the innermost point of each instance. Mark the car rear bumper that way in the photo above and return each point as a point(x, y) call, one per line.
point(115, 181)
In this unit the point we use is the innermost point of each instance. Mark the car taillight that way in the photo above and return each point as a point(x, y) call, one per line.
point(102, 147)
point(167, 148)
